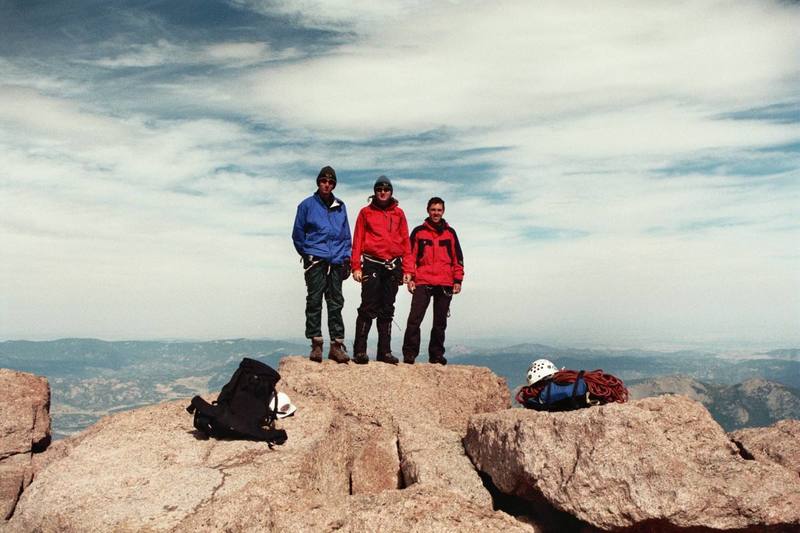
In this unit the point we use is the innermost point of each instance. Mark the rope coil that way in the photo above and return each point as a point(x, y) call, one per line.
point(601, 386)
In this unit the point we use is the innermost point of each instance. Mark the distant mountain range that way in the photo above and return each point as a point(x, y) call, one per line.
point(512, 363)
point(755, 402)
point(90, 378)
point(792, 354)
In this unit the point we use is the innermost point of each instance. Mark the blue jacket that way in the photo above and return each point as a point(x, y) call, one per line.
point(322, 231)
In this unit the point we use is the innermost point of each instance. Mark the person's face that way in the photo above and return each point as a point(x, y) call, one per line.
point(436, 212)
point(383, 193)
point(325, 186)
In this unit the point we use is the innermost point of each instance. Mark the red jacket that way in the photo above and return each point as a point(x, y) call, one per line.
point(439, 260)
point(383, 234)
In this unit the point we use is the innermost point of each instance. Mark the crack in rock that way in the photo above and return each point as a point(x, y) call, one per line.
point(219, 486)
point(14, 454)
point(568, 480)
point(402, 482)
point(13, 508)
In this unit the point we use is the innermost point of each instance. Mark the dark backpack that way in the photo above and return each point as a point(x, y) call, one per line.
point(244, 408)
point(561, 396)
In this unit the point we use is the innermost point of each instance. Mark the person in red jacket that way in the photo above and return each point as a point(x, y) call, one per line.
point(381, 263)
point(438, 273)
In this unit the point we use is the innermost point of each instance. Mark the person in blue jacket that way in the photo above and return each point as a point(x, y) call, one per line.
point(321, 236)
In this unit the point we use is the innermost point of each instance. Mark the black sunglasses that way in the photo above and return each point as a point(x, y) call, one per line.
point(382, 189)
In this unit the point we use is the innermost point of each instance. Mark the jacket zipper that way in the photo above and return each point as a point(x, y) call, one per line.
point(328, 240)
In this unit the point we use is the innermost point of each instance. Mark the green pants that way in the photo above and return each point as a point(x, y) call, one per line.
point(323, 279)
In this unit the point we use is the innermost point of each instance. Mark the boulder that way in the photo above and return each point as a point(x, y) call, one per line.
point(654, 464)
point(442, 396)
point(779, 443)
point(426, 406)
point(419, 509)
point(436, 458)
point(24, 431)
point(373, 447)
point(377, 466)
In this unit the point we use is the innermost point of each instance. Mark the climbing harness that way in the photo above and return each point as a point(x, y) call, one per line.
point(315, 262)
point(312, 263)
point(388, 264)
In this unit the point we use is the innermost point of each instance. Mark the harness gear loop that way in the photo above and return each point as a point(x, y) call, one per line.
point(313, 264)
point(388, 264)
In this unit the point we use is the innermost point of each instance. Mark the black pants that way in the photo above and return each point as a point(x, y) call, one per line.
point(378, 291)
point(419, 304)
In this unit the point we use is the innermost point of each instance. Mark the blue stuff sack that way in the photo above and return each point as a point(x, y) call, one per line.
point(561, 396)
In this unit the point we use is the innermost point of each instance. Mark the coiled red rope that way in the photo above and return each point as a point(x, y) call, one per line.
point(601, 386)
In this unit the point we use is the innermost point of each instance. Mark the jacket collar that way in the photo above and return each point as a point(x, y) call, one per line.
point(438, 228)
point(374, 203)
point(336, 202)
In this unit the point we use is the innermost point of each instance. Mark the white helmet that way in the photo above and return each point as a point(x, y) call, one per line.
point(540, 369)
point(285, 406)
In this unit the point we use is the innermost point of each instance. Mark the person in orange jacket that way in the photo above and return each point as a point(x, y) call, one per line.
point(381, 258)
point(438, 274)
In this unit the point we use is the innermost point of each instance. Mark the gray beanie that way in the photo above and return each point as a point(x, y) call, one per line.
point(383, 181)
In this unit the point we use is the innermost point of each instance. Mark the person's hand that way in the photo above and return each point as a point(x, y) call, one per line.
point(456, 288)
point(346, 268)
point(357, 276)
point(411, 286)
point(406, 278)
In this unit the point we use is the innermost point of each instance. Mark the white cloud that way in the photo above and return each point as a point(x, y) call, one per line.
point(477, 65)
point(13, 74)
point(164, 52)
point(30, 115)
point(353, 15)
point(130, 224)
point(146, 55)
point(238, 53)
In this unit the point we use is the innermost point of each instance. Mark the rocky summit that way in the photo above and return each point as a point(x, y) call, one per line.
point(373, 447)
point(657, 464)
point(24, 430)
point(411, 448)
point(778, 443)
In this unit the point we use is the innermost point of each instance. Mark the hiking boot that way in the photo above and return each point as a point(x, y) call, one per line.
point(407, 359)
point(338, 352)
point(438, 360)
point(360, 359)
point(316, 349)
point(388, 358)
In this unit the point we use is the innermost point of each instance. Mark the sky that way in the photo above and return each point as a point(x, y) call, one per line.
point(622, 173)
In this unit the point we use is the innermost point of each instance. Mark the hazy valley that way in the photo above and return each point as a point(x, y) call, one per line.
point(91, 378)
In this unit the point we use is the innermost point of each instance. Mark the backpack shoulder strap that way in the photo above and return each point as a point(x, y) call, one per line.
point(272, 408)
point(578, 379)
point(276, 436)
point(226, 393)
